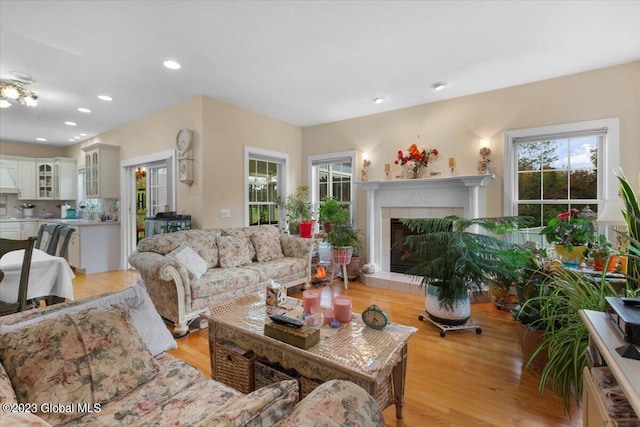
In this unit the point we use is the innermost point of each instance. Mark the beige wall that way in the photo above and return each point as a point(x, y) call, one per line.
point(456, 126)
point(227, 129)
point(8, 148)
point(220, 132)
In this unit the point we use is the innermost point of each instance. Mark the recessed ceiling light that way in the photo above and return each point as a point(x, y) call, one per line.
point(70, 123)
point(72, 140)
point(105, 98)
point(84, 110)
point(83, 134)
point(41, 139)
point(378, 99)
point(77, 137)
point(173, 65)
point(438, 85)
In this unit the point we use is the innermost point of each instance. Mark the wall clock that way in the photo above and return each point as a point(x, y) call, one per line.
point(374, 317)
point(184, 140)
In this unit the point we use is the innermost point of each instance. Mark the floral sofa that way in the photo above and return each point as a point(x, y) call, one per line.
point(87, 363)
point(186, 271)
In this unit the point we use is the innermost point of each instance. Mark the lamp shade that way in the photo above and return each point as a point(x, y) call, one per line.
point(611, 213)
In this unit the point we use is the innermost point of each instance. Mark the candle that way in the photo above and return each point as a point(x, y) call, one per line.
point(387, 167)
point(311, 301)
point(327, 312)
point(342, 309)
point(452, 162)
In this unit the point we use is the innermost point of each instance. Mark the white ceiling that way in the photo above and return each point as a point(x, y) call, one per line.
point(303, 62)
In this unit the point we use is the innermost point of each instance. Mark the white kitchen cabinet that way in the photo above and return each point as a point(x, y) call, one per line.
point(10, 230)
point(65, 173)
point(44, 179)
point(102, 166)
point(94, 248)
point(27, 179)
point(28, 229)
point(8, 175)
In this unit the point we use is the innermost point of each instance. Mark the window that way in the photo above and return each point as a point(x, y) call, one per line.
point(332, 176)
point(156, 188)
point(551, 170)
point(266, 171)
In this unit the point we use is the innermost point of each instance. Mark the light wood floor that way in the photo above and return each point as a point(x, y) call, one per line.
point(461, 380)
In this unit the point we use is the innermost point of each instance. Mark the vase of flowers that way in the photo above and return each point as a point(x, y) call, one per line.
point(570, 235)
point(415, 158)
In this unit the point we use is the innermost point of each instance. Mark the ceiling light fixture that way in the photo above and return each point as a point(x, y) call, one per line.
point(72, 140)
point(84, 110)
point(172, 65)
point(83, 134)
point(41, 139)
point(70, 123)
point(15, 90)
point(105, 98)
point(438, 85)
point(378, 99)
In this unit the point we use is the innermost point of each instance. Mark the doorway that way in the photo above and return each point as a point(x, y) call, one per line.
point(148, 186)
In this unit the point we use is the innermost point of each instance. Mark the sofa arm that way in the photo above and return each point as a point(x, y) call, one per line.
point(263, 407)
point(158, 267)
point(335, 403)
point(296, 247)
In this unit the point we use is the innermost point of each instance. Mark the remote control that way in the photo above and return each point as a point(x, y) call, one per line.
point(286, 321)
point(631, 301)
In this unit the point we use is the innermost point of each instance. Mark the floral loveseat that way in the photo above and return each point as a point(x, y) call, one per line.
point(87, 363)
point(186, 271)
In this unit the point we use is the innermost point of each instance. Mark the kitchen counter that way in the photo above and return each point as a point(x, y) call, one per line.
point(75, 222)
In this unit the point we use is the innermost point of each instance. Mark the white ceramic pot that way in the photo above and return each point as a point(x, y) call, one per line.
point(458, 315)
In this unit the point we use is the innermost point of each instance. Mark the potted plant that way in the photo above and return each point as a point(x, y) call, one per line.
point(631, 216)
point(332, 212)
point(453, 260)
point(299, 212)
point(343, 238)
point(601, 253)
point(570, 235)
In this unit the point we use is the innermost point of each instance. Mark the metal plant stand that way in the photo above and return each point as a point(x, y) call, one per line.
point(469, 324)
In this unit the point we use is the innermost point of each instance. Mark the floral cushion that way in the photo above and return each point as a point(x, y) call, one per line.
point(135, 299)
point(336, 403)
point(201, 241)
point(189, 259)
point(22, 419)
point(267, 247)
point(7, 395)
point(261, 408)
point(70, 359)
point(233, 251)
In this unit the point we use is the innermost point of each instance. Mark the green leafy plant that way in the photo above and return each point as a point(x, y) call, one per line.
point(565, 335)
point(568, 230)
point(298, 206)
point(332, 211)
point(457, 260)
point(631, 215)
point(343, 235)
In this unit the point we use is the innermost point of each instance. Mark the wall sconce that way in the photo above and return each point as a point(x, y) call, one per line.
point(484, 165)
point(365, 164)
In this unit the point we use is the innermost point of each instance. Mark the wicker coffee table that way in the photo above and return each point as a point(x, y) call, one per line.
point(375, 360)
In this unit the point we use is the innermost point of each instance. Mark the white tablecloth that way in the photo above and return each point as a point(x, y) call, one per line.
point(49, 275)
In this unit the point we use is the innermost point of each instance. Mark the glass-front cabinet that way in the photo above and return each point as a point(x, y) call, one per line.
point(102, 179)
point(44, 180)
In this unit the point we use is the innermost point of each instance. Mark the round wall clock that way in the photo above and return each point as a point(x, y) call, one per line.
point(183, 141)
point(374, 317)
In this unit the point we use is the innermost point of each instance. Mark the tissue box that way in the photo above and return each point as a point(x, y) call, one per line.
point(276, 294)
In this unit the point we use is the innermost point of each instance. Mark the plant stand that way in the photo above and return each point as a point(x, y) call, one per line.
point(469, 324)
point(341, 257)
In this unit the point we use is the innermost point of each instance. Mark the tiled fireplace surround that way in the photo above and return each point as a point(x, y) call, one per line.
point(414, 198)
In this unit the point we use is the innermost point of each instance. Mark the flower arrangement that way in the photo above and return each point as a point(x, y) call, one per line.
point(568, 230)
point(415, 157)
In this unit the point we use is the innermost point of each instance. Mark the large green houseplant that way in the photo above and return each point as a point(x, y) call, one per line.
point(631, 215)
point(299, 210)
point(343, 239)
point(330, 212)
point(452, 259)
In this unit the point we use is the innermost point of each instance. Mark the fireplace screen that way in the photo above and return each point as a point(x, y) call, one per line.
point(402, 256)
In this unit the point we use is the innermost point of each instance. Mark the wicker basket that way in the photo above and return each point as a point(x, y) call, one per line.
point(307, 385)
point(267, 373)
point(234, 369)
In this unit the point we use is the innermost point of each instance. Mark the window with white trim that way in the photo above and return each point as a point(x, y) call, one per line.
point(553, 169)
point(332, 175)
point(266, 177)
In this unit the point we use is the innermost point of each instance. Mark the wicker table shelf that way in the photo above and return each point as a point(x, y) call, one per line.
point(375, 360)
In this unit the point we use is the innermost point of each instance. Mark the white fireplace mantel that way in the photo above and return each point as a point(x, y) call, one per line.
point(409, 197)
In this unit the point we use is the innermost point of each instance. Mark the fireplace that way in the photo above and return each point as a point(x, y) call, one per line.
point(403, 257)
